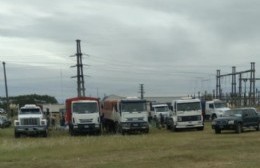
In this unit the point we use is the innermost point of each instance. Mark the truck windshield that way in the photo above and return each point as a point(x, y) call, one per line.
point(188, 106)
point(220, 105)
point(237, 113)
point(161, 109)
point(133, 106)
point(84, 108)
point(30, 111)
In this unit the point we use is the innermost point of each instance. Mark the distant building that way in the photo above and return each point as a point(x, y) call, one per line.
point(53, 108)
point(162, 99)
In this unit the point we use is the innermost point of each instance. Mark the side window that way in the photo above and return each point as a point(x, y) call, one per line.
point(245, 113)
point(211, 106)
point(251, 112)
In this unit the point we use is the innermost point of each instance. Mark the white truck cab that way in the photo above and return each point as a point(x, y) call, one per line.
point(215, 108)
point(187, 113)
point(83, 115)
point(160, 109)
point(30, 121)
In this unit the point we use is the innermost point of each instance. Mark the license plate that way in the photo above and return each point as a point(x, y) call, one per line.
point(135, 125)
point(86, 126)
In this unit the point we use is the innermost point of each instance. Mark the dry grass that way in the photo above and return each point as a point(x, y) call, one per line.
point(160, 148)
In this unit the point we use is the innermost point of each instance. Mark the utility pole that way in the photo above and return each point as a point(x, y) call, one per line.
point(80, 75)
point(6, 89)
point(142, 91)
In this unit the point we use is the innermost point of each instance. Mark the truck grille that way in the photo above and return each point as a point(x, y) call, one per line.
point(222, 122)
point(30, 121)
point(85, 120)
point(190, 118)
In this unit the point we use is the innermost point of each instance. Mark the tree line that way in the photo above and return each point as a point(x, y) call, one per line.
point(28, 99)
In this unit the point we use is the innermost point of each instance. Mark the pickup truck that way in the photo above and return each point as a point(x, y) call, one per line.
point(237, 119)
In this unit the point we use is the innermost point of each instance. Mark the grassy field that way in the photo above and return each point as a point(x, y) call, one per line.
point(159, 148)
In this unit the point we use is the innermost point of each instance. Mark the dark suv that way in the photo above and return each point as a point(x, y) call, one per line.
point(237, 119)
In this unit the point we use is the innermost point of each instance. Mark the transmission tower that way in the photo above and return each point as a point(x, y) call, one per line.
point(142, 91)
point(80, 75)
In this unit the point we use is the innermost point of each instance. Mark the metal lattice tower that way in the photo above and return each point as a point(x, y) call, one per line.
point(142, 91)
point(80, 75)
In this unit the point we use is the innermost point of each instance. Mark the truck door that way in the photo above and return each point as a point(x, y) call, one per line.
point(253, 117)
point(246, 118)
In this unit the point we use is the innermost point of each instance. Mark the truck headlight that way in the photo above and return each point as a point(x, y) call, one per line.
point(75, 126)
point(43, 122)
point(145, 124)
point(16, 123)
point(179, 119)
point(125, 125)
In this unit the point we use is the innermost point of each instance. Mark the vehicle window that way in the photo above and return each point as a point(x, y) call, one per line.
point(211, 106)
point(84, 108)
point(30, 111)
point(188, 106)
point(162, 109)
point(251, 112)
point(133, 106)
point(245, 113)
point(235, 112)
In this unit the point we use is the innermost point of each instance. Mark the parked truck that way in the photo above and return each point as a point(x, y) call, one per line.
point(238, 120)
point(83, 115)
point(160, 109)
point(31, 121)
point(215, 109)
point(187, 113)
point(159, 113)
point(125, 115)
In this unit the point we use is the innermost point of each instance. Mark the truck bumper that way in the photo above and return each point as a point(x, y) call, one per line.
point(30, 130)
point(192, 124)
point(224, 127)
point(135, 127)
point(86, 128)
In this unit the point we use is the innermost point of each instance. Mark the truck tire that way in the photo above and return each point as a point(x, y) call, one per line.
point(217, 131)
point(146, 131)
point(168, 127)
point(17, 135)
point(200, 128)
point(213, 116)
point(72, 133)
point(258, 126)
point(169, 124)
point(238, 128)
point(173, 128)
point(45, 134)
point(99, 132)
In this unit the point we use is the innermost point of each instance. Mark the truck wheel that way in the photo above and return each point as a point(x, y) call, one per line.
point(173, 128)
point(213, 116)
point(17, 135)
point(200, 128)
point(217, 131)
point(238, 128)
point(98, 132)
point(168, 127)
point(258, 127)
point(146, 131)
point(45, 134)
point(72, 133)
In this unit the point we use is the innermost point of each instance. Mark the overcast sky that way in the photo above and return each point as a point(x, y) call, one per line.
point(173, 47)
